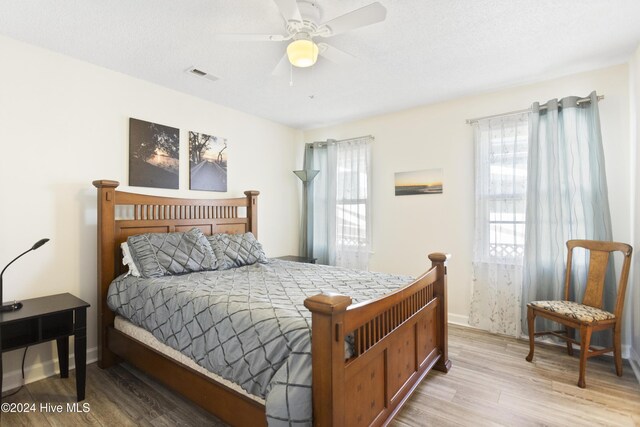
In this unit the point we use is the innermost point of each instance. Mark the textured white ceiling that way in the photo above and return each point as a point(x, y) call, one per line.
point(425, 51)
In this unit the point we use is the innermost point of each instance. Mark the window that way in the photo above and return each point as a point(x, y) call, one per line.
point(501, 185)
point(501, 146)
point(340, 205)
point(352, 221)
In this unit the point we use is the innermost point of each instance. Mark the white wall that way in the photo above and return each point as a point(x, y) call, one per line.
point(64, 123)
point(633, 296)
point(406, 229)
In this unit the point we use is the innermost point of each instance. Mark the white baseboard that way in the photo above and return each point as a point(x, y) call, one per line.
point(634, 360)
point(458, 319)
point(625, 350)
point(41, 370)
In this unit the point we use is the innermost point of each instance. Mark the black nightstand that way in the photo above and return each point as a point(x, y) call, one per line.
point(54, 317)
point(295, 258)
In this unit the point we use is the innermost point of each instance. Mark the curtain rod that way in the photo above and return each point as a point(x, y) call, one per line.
point(333, 141)
point(526, 110)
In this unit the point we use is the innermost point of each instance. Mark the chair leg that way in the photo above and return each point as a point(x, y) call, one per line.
point(617, 355)
point(531, 317)
point(569, 345)
point(585, 341)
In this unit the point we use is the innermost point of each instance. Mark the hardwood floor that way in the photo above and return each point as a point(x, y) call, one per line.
point(490, 383)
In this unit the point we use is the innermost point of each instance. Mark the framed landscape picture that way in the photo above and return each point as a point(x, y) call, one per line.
point(207, 162)
point(428, 181)
point(154, 155)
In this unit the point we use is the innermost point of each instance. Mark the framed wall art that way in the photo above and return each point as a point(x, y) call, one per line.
point(154, 155)
point(207, 162)
point(428, 181)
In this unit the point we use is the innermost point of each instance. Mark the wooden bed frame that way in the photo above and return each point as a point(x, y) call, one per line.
point(398, 337)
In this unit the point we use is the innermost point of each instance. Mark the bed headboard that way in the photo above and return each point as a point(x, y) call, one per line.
point(122, 214)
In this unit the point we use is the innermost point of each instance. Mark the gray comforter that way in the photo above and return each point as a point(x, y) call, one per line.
point(246, 324)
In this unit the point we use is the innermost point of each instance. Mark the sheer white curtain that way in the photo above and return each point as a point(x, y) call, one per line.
point(340, 202)
point(500, 195)
point(353, 204)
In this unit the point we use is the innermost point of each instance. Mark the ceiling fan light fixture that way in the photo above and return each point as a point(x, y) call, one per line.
point(302, 53)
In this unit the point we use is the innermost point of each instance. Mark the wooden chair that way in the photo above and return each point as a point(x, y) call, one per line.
point(588, 316)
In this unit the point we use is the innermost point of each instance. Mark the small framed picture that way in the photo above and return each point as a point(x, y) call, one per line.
point(428, 181)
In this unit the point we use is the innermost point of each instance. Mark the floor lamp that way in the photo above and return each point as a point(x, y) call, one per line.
point(306, 176)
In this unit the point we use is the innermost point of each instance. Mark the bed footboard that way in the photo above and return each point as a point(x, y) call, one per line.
point(398, 338)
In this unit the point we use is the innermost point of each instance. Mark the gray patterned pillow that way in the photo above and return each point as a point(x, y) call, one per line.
point(162, 254)
point(236, 250)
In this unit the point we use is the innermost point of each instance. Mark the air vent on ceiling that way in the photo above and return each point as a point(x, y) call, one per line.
point(198, 72)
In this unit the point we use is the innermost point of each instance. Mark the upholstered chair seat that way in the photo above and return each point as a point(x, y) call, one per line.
point(574, 310)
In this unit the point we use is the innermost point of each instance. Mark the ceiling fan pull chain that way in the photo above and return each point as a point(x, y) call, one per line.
point(291, 75)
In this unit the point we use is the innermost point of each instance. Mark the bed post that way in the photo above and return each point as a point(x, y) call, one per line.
point(106, 265)
point(252, 209)
point(439, 260)
point(327, 358)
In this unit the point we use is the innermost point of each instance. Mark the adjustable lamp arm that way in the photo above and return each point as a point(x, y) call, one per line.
point(14, 260)
point(32, 248)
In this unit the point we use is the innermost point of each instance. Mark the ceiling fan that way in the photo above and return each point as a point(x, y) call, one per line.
point(302, 25)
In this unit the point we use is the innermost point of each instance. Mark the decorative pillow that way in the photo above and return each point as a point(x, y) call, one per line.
point(162, 254)
point(224, 262)
point(236, 250)
point(128, 261)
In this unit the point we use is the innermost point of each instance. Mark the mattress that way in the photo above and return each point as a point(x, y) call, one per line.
point(246, 324)
point(121, 324)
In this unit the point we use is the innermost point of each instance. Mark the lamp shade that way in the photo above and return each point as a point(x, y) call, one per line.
point(307, 175)
point(302, 53)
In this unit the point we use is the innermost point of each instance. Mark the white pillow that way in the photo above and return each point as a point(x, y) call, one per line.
point(128, 261)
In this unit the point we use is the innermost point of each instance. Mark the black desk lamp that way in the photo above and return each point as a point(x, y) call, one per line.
point(16, 305)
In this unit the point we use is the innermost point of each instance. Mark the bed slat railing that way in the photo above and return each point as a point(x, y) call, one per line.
point(176, 211)
point(372, 331)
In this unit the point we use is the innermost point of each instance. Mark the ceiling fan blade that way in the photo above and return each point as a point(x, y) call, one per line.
point(289, 10)
point(367, 15)
point(252, 37)
point(334, 54)
point(283, 67)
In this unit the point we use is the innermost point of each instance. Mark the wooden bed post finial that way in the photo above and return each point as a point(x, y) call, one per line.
point(99, 183)
point(439, 260)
